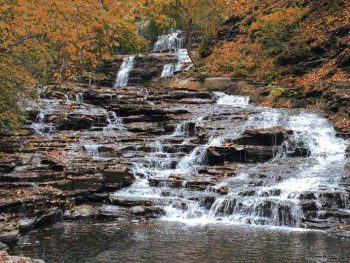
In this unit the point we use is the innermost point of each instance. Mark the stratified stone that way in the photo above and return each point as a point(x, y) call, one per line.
point(9, 237)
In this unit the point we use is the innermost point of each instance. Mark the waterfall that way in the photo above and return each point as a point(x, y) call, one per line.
point(79, 97)
point(230, 100)
point(273, 202)
point(124, 72)
point(169, 42)
point(92, 149)
point(183, 62)
point(174, 43)
point(183, 59)
point(114, 122)
point(168, 70)
point(40, 126)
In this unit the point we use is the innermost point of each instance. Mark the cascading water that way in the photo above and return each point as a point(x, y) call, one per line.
point(169, 42)
point(79, 97)
point(237, 101)
point(124, 72)
point(92, 149)
point(47, 107)
point(173, 42)
point(114, 123)
point(276, 202)
point(168, 70)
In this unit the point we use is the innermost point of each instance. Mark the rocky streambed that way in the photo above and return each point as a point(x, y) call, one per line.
point(108, 156)
point(198, 158)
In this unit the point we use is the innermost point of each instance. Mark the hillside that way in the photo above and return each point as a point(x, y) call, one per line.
point(298, 50)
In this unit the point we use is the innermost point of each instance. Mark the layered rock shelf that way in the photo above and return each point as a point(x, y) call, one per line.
point(137, 153)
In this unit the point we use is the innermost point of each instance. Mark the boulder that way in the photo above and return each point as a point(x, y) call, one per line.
point(147, 212)
point(79, 212)
point(50, 216)
point(9, 237)
point(237, 153)
point(26, 224)
point(76, 122)
point(264, 137)
point(117, 177)
point(3, 247)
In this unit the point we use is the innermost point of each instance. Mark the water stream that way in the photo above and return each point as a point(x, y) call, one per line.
point(276, 202)
point(125, 69)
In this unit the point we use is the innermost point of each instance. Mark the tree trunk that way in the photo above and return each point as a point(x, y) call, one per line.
point(189, 40)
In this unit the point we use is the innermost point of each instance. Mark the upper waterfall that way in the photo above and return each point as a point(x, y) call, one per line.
point(174, 43)
point(169, 42)
point(125, 69)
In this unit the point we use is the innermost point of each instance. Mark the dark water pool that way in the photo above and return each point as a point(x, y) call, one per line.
point(156, 241)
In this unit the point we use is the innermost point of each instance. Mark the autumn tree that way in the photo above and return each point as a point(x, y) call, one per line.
point(41, 40)
point(201, 17)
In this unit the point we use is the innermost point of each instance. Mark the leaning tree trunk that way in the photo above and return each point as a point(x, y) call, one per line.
point(189, 40)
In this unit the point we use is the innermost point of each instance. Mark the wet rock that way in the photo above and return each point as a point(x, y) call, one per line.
point(112, 212)
point(238, 153)
point(321, 225)
point(79, 212)
point(208, 201)
point(92, 182)
point(347, 151)
point(3, 247)
point(248, 193)
point(26, 224)
point(264, 137)
point(224, 190)
point(307, 195)
point(8, 164)
point(130, 201)
point(53, 163)
point(332, 199)
point(10, 237)
point(50, 216)
point(76, 123)
point(308, 206)
point(147, 212)
point(335, 215)
point(343, 60)
point(117, 178)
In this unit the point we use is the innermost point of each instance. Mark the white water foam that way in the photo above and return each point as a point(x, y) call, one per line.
point(169, 42)
point(92, 149)
point(232, 100)
point(125, 69)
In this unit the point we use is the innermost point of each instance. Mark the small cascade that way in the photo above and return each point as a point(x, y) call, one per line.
point(174, 43)
point(230, 100)
point(79, 97)
point(40, 126)
point(185, 129)
point(114, 122)
point(183, 60)
point(169, 42)
point(125, 69)
point(92, 149)
point(168, 70)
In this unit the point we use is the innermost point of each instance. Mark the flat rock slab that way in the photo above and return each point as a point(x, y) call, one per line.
point(9, 237)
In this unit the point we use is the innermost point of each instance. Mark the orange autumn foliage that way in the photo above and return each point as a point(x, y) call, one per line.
point(44, 40)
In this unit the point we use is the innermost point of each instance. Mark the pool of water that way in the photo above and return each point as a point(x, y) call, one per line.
point(158, 241)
